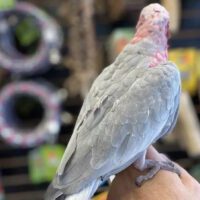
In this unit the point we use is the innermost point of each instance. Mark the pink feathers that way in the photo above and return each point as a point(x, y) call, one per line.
point(159, 58)
point(153, 24)
point(155, 11)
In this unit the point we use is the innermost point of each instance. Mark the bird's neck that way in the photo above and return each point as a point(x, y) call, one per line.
point(159, 41)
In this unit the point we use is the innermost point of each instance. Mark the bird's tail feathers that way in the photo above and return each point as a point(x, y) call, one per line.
point(52, 193)
point(86, 193)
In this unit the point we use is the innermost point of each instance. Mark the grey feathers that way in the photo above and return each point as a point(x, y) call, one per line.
point(129, 106)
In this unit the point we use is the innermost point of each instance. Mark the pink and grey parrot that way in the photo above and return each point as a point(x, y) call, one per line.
point(130, 105)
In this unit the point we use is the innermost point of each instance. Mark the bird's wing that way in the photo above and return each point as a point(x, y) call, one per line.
point(145, 112)
point(169, 126)
point(106, 85)
point(113, 133)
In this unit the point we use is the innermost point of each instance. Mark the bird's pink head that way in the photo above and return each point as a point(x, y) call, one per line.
point(153, 24)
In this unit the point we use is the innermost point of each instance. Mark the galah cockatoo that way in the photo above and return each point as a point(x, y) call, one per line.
point(130, 105)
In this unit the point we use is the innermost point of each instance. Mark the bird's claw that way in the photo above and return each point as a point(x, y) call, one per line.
point(155, 167)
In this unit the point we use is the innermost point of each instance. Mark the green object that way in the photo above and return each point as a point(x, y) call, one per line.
point(119, 33)
point(118, 40)
point(7, 4)
point(27, 32)
point(43, 162)
point(195, 172)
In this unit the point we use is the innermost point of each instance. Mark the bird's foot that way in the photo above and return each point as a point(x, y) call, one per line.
point(154, 167)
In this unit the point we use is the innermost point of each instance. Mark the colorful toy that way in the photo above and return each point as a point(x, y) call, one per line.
point(185, 58)
point(6, 4)
point(118, 40)
point(29, 23)
point(43, 162)
point(18, 130)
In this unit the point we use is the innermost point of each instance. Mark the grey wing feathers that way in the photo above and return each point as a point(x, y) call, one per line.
point(91, 104)
point(126, 123)
point(172, 119)
point(105, 85)
point(141, 114)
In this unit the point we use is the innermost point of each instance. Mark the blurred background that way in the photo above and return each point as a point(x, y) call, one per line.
point(50, 53)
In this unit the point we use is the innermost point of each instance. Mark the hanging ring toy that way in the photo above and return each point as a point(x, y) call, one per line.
point(49, 44)
point(29, 114)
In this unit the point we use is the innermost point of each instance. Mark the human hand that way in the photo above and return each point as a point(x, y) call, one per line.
point(165, 185)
